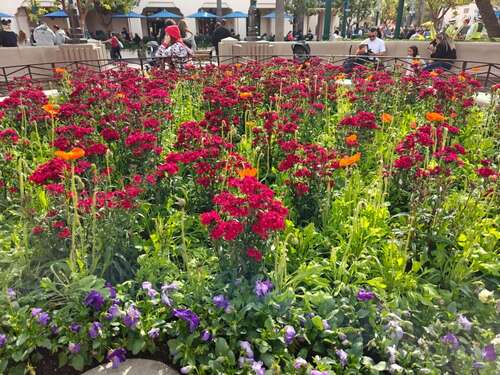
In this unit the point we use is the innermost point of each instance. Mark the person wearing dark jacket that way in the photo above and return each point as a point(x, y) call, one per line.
point(442, 48)
point(8, 38)
point(220, 32)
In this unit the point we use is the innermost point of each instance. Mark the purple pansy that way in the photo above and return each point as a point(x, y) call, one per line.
point(247, 348)
point(117, 356)
point(54, 329)
point(3, 340)
point(342, 355)
point(35, 311)
point(111, 290)
point(131, 317)
point(299, 363)
point(154, 333)
point(489, 353)
point(95, 330)
point(289, 335)
point(113, 311)
point(365, 295)
point(451, 340)
point(148, 287)
point(74, 327)
point(166, 289)
point(221, 302)
point(94, 299)
point(188, 316)
point(258, 368)
point(317, 372)
point(74, 348)
point(11, 294)
point(186, 369)
point(464, 322)
point(326, 325)
point(205, 336)
point(263, 287)
point(42, 317)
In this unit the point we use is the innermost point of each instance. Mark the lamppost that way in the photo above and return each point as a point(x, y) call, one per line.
point(345, 13)
point(399, 19)
point(328, 20)
point(252, 28)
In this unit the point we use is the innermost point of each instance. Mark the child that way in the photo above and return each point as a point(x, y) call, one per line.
point(414, 62)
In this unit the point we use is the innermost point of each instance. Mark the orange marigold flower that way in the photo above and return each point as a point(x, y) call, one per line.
point(434, 116)
point(237, 66)
point(453, 115)
point(120, 95)
point(349, 160)
point(59, 70)
point(245, 95)
point(386, 117)
point(51, 109)
point(75, 153)
point(247, 172)
point(434, 74)
point(413, 125)
point(351, 140)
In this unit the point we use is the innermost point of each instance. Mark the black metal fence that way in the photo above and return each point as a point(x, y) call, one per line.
point(488, 74)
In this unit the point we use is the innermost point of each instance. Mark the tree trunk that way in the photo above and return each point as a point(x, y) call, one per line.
point(219, 8)
point(489, 19)
point(280, 20)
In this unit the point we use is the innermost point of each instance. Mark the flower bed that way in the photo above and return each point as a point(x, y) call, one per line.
point(253, 218)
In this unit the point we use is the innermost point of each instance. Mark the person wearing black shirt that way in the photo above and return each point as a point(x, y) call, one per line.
point(220, 32)
point(442, 48)
point(8, 38)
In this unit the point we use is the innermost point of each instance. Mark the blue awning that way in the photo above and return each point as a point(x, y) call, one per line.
point(5, 15)
point(236, 15)
point(128, 15)
point(202, 15)
point(164, 14)
point(273, 15)
point(57, 14)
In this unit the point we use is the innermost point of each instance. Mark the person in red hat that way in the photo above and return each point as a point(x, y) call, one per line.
point(173, 49)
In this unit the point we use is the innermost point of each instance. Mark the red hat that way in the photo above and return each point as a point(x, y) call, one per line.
point(174, 32)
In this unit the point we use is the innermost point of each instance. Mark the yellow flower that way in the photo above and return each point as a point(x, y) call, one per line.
point(251, 124)
point(349, 160)
point(51, 109)
point(247, 172)
point(75, 153)
point(485, 295)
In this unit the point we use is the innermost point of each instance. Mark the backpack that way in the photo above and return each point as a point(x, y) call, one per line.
point(301, 52)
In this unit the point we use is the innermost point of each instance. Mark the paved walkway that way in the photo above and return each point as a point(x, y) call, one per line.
point(134, 367)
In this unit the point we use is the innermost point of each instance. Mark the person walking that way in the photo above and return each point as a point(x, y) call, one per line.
point(8, 38)
point(43, 35)
point(61, 36)
point(187, 35)
point(116, 46)
point(174, 51)
point(442, 47)
point(220, 33)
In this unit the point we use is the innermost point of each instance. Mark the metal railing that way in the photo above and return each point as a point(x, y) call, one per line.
point(488, 74)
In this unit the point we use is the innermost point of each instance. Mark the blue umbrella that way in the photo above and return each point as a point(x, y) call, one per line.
point(236, 15)
point(57, 14)
point(202, 15)
point(5, 15)
point(128, 15)
point(164, 14)
point(273, 15)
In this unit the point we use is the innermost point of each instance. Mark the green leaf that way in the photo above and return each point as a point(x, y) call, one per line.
point(77, 362)
point(377, 282)
point(381, 366)
point(21, 339)
point(221, 347)
point(137, 345)
point(317, 322)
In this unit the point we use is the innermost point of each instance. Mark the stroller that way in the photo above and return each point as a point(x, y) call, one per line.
point(301, 52)
point(152, 49)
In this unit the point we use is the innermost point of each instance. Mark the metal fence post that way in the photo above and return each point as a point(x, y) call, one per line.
point(29, 72)
point(487, 75)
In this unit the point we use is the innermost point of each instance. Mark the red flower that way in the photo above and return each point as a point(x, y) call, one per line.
point(206, 218)
point(65, 233)
point(485, 172)
point(37, 230)
point(255, 254)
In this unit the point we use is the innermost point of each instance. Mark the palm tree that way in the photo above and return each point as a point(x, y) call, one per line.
point(489, 19)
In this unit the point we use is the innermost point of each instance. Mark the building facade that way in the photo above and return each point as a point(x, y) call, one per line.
point(103, 23)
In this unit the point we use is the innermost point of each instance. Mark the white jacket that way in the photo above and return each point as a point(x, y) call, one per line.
point(44, 36)
point(60, 37)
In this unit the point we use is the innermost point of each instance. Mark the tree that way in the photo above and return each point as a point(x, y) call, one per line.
point(438, 8)
point(489, 19)
point(85, 6)
point(300, 9)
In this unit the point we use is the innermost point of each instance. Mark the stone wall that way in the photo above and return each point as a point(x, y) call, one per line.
point(46, 58)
